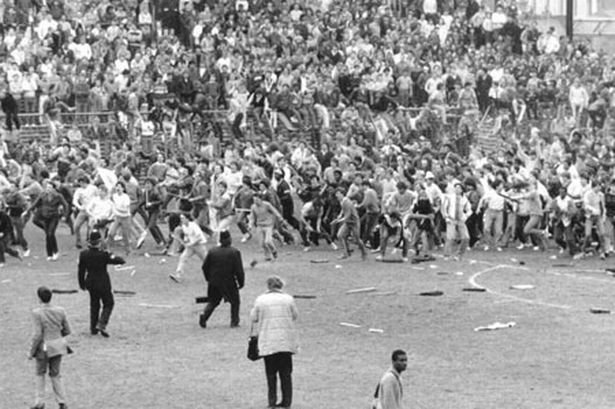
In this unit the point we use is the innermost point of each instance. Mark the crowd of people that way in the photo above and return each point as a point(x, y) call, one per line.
point(352, 122)
point(380, 175)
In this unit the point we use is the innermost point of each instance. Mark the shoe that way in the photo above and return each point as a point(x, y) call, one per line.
point(334, 246)
point(246, 237)
point(307, 248)
point(103, 332)
point(275, 254)
point(202, 321)
point(79, 246)
point(175, 277)
point(55, 257)
point(376, 250)
point(603, 256)
point(578, 256)
point(536, 248)
point(39, 406)
point(62, 406)
point(404, 259)
point(379, 257)
point(394, 251)
point(1, 265)
point(235, 325)
point(499, 249)
point(94, 331)
point(26, 253)
point(343, 257)
point(561, 251)
point(521, 246)
point(486, 248)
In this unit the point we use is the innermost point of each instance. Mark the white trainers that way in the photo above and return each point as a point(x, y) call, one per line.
point(499, 249)
point(486, 248)
point(379, 257)
point(175, 277)
point(521, 246)
point(334, 246)
point(26, 253)
point(55, 257)
point(307, 248)
point(246, 237)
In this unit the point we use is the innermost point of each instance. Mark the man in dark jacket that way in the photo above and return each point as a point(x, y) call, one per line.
point(223, 270)
point(6, 235)
point(94, 277)
point(10, 109)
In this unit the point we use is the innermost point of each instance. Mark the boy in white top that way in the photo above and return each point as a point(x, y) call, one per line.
point(190, 235)
point(82, 198)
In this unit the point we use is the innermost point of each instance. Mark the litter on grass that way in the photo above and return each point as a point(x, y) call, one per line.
point(304, 297)
point(376, 330)
point(475, 289)
point(496, 326)
point(320, 261)
point(57, 291)
point(599, 311)
point(522, 287)
point(8, 280)
point(338, 266)
point(123, 268)
point(436, 293)
point(349, 325)
point(361, 290)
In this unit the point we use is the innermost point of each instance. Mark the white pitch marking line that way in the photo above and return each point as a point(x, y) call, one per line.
point(472, 282)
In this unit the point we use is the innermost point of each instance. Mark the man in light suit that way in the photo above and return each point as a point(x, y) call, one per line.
point(390, 391)
point(456, 209)
point(48, 345)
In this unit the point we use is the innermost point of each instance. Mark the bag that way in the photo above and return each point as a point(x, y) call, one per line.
point(376, 401)
point(253, 349)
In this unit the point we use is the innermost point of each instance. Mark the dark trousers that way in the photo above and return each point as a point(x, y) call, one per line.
point(564, 237)
point(288, 213)
point(19, 223)
point(100, 320)
point(314, 235)
point(6, 248)
point(280, 364)
point(369, 220)
point(152, 225)
point(215, 296)
point(49, 225)
point(12, 118)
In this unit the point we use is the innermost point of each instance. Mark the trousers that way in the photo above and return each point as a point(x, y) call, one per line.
point(279, 364)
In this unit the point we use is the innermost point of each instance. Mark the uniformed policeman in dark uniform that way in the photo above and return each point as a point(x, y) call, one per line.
point(94, 277)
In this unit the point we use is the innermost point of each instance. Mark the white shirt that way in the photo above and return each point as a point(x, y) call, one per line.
point(121, 204)
point(84, 196)
point(193, 234)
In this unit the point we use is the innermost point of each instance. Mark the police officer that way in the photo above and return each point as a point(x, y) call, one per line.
point(94, 277)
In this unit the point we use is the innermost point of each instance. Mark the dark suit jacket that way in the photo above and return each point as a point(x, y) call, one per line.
point(93, 273)
point(223, 269)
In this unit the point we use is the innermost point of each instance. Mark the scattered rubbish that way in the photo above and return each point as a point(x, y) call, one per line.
point(124, 292)
point(147, 255)
point(376, 330)
point(253, 263)
point(162, 261)
point(392, 260)
point(475, 289)
point(58, 274)
point(442, 273)
point(338, 266)
point(133, 272)
point(513, 260)
point(522, 263)
point(495, 326)
point(459, 273)
point(421, 259)
point(349, 325)
point(320, 261)
point(8, 280)
point(473, 261)
point(385, 293)
point(123, 268)
point(157, 305)
point(433, 266)
point(521, 287)
point(304, 297)
point(553, 257)
point(599, 311)
point(361, 290)
point(436, 293)
point(563, 265)
point(418, 268)
point(57, 291)
point(201, 300)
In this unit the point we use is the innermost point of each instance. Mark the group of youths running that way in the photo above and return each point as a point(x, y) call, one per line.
point(288, 193)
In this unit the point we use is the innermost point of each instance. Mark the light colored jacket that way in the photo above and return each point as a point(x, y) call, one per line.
point(50, 328)
point(390, 391)
point(449, 205)
point(273, 320)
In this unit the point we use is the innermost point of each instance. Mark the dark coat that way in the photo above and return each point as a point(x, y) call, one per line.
point(93, 273)
point(223, 270)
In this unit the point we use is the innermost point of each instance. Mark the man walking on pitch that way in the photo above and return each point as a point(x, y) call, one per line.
point(223, 270)
point(94, 277)
point(48, 346)
point(389, 393)
point(273, 322)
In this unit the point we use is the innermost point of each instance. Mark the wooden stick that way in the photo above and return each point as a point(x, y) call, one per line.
point(361, 290)
point(349, 325)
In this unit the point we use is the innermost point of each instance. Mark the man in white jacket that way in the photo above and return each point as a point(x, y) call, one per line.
point(273, 321)
point(390, 390)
